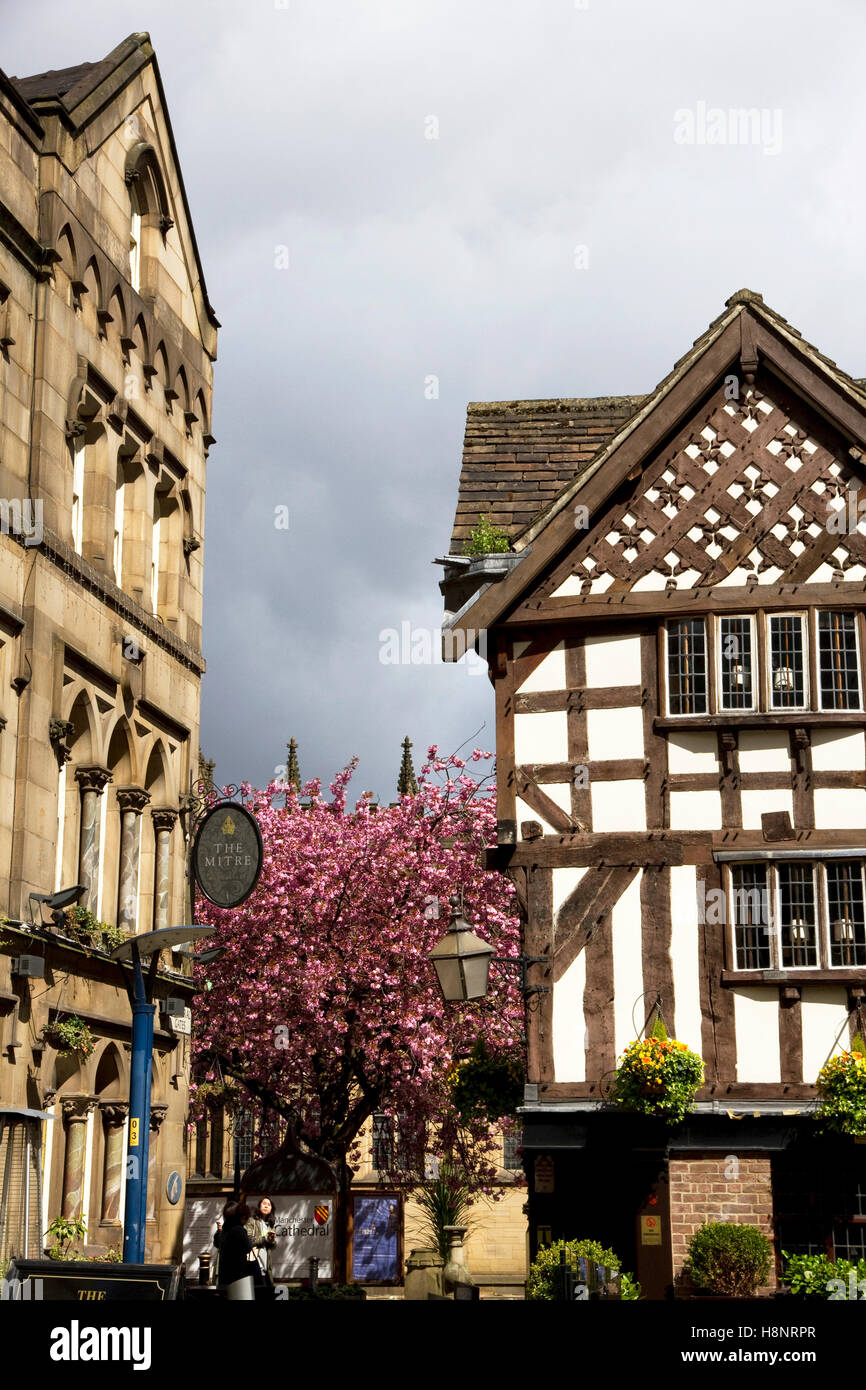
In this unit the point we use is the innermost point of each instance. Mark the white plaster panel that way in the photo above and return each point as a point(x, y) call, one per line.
point(651, 582)
point(541, 738)
point(764, 750)
point(685, 944)
point(627, 966)
point(569, 586)
point(840, 808)
point(758, 803)
point(549, 674)
point(569, 1025)
point(756, 1019)
point(833, 751)
point(823, 1011)
point(618, 805)
point(559, 793)
point(615, 733)
point(822, 575)
point(518, 647)
point(698, 810)
point(564, 883)
point(613, 660)
point(696, 751)
point(524, 812)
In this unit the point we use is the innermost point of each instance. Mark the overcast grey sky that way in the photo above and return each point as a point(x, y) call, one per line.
point(306, 125)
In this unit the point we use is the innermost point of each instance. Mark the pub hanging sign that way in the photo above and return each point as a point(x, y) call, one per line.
point(227, 854)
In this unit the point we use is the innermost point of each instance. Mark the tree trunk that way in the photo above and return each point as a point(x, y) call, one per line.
point(341, 1219)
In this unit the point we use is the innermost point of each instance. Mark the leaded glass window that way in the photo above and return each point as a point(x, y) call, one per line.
point(687, 667)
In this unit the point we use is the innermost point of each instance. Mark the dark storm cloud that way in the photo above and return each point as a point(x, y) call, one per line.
point(303, 127)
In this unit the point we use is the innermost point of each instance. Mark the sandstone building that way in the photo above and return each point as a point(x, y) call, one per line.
point(107, 343)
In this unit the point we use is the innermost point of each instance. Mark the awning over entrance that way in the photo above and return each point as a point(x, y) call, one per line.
point(554, 1134)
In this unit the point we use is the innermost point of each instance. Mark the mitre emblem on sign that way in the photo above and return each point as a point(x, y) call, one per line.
point(228, 826)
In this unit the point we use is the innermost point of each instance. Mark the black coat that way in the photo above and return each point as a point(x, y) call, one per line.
point(234, 1247)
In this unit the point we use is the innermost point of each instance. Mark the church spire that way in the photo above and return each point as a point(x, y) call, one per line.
point(293, 772)
point(406, 783)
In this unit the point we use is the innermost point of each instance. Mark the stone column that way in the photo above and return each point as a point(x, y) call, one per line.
point(113, 1116)
point(132, 801)
point(157, 1115)
point(92, 780)
point(164, 818)
point(75, 1111)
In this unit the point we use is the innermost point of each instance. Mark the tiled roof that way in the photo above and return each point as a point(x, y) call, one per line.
point(72, 85)
point(55, 83)
point(518, 455)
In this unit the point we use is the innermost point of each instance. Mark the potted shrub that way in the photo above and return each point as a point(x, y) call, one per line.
point(486, 539)
point(541, 1284)
point(84, 926)
point(658, 1076)
point(443, 1202)
point(728, 1260)
point(64, 1233)
point(70, 1036)
point(841, 1087)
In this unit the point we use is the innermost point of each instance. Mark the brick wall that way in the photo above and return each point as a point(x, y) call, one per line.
point(721, 1187)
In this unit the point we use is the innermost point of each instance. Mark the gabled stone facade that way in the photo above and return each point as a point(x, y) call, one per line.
point(108, 342)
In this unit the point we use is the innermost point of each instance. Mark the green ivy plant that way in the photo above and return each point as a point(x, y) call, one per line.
point(70, 1036)
point(542, 1282)
point(487, 1087)
point(728, 1259)
point(841, 1088)
point(486, 539)
point(812, 1276)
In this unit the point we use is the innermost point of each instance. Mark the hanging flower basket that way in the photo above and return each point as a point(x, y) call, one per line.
point(841, 1087)
point(70, 1036)
point(659, 1077)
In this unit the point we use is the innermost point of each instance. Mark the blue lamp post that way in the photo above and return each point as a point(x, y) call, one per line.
point(140, 990)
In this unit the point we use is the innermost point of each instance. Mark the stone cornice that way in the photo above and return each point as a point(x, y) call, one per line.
point(78, 569)
point(35, 257)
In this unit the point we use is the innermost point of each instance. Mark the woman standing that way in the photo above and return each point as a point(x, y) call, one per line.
point(262, 1237)
point(235, 1275)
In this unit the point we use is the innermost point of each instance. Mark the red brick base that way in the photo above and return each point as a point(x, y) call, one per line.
point(718, 1187)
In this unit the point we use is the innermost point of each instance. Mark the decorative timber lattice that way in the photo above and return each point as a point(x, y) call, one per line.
point(747, 499)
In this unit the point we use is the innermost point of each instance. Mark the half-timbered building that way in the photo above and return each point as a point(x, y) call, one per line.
point(676, 640)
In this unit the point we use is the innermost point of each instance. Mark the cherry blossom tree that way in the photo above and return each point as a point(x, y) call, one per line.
point(324, 1007)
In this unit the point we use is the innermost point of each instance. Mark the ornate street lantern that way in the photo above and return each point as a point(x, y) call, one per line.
point(462, 960)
